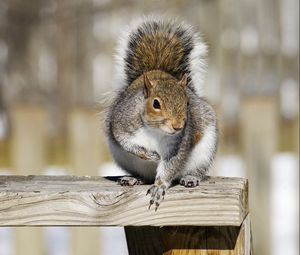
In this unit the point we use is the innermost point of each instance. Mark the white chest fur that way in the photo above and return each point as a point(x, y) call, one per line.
point(153, 140)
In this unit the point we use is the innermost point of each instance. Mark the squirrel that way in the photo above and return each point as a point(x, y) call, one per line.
point(159, 127)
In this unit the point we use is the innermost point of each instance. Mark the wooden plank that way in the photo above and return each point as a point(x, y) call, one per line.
point(87, 201)
point(190, 240)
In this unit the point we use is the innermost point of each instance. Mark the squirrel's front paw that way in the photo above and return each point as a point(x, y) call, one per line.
point(157, 191)
point(148, 155)
point(152, 156)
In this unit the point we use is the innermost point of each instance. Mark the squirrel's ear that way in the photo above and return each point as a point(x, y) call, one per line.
point(183, 81)
point(147, 85)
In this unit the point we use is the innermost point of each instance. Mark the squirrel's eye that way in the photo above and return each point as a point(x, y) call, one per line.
point(156, 104)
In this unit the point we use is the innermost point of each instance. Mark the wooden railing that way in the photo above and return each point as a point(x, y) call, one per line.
point(210, 219)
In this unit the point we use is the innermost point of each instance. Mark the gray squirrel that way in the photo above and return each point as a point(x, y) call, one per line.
point(159, 127)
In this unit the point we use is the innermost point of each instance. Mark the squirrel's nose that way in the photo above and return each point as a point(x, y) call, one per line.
point(177, 129)
point(177, 126)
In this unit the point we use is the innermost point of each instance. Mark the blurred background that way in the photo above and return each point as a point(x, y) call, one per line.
point(56, 62)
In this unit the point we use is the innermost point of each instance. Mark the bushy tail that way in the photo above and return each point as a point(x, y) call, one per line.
point(158, 43)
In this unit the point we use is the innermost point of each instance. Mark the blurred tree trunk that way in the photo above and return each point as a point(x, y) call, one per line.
point(66, 25)
point(84, 90)
point(229, 75)
point(22, 18)
point(74, 57)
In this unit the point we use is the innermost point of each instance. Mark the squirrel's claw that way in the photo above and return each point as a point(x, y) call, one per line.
point(151, 203)
point(148, 192)
point(142, 153)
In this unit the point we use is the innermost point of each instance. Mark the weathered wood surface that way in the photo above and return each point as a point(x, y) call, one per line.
point(190, 240)
point(79, 201)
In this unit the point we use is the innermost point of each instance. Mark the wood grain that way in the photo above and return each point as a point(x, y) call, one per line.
point(98, 201)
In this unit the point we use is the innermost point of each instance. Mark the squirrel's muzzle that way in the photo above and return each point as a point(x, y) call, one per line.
point(177, 126)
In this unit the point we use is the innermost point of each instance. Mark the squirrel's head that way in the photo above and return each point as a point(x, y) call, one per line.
point(166, 104)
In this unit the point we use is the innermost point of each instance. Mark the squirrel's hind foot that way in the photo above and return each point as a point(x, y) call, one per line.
point(190, 181)
point(129, 181)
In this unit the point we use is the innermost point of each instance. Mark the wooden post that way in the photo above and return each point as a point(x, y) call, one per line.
point(87, 151)
point(86, 155)
point(259, 125)
point(187, 240)
point(29, 137)
point(229, 70)
point(29, 126)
